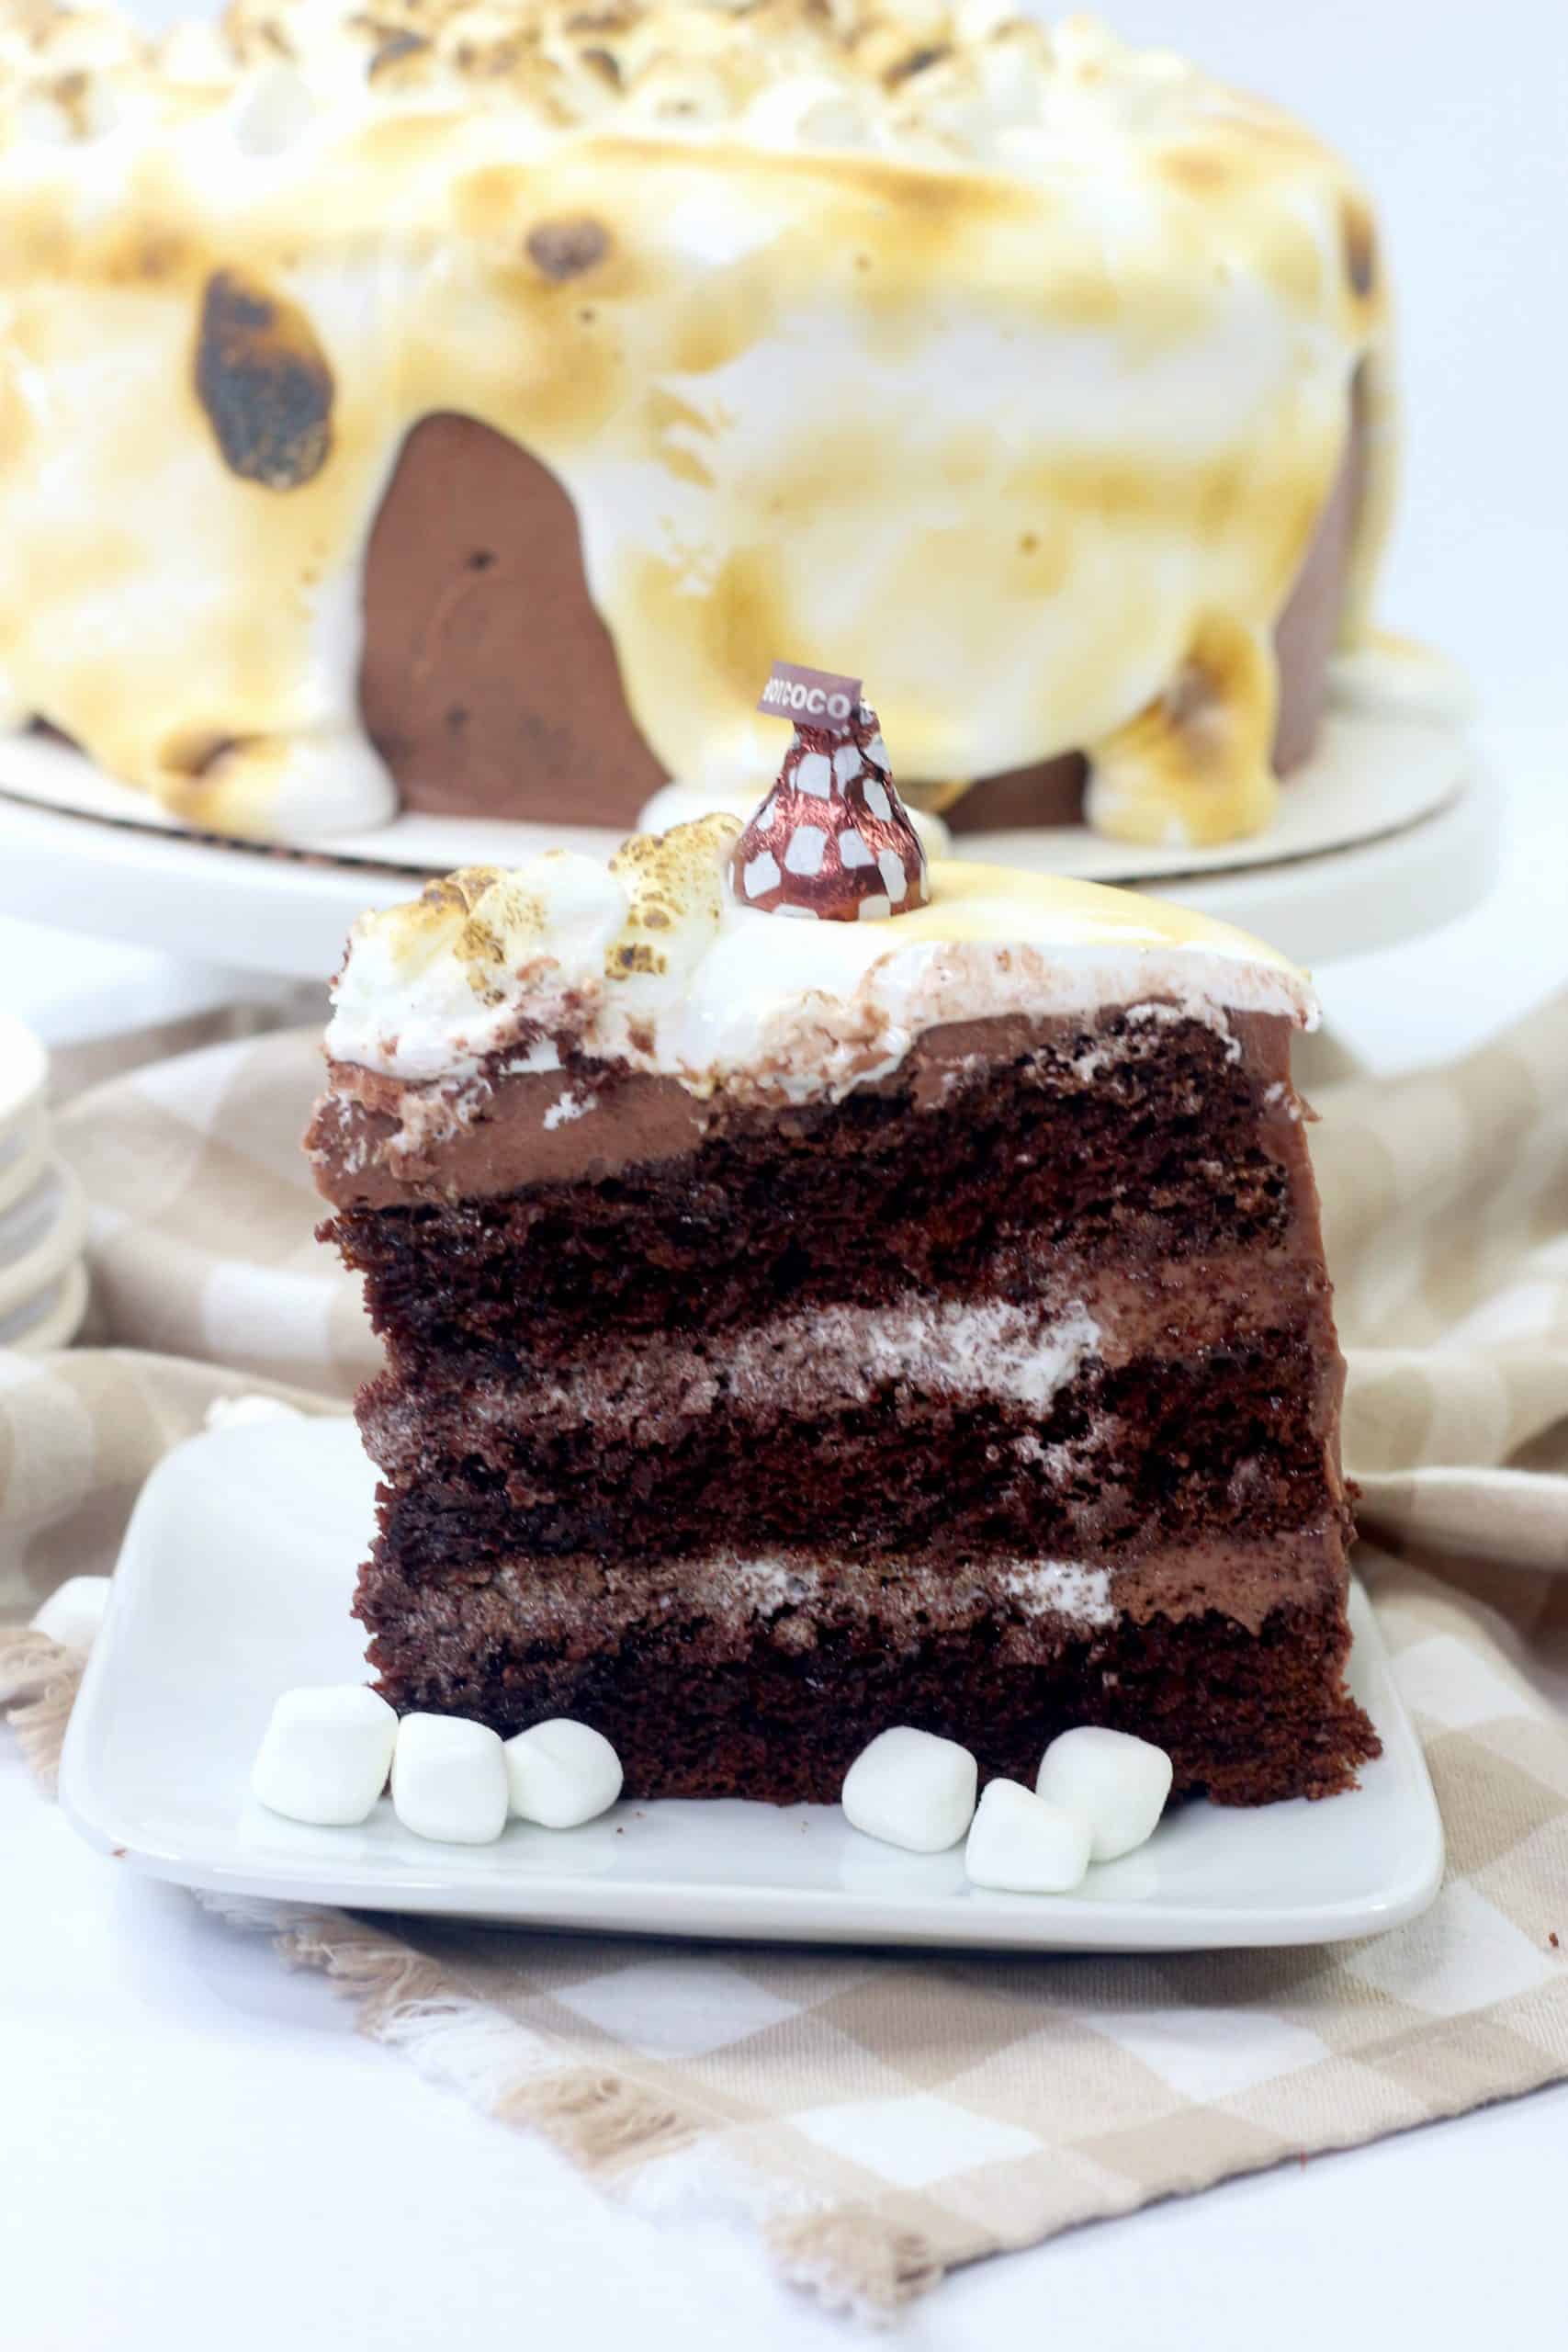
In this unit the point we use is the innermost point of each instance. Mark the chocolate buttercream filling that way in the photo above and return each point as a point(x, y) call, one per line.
point(378, 1141)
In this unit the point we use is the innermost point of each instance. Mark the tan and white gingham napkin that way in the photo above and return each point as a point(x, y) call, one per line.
point(883, 2116)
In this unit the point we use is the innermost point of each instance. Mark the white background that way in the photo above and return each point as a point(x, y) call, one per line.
point(195, 2149)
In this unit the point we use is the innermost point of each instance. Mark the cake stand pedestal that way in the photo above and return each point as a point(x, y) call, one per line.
point(1390, 829)
point(287, 914)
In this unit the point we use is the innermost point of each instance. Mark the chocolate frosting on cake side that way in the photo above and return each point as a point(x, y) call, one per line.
point(489, 684)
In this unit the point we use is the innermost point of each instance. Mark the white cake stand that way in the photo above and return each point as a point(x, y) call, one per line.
point(1389, 831)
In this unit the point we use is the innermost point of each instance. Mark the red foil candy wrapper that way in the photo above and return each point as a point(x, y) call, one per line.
point(832, 839)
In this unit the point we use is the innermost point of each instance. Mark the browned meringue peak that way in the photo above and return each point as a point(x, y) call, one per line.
point(653, 961)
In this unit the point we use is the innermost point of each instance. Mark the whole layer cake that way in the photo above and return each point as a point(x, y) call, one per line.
point(1045, 377)
point(911, 1315)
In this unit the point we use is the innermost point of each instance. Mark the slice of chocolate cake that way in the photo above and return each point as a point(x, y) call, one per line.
point(800, 1326)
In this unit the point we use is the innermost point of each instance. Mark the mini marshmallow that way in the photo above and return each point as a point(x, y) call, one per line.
point(242, 1412)
point(560, 1774)
point(449, 1780)
point(325, 1755)
point(1020, 1845)
point(74, 1611)
point(911, 1789)
point(1117, 1783)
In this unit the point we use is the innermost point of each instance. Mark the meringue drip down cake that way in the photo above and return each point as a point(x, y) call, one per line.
point(821, 1292)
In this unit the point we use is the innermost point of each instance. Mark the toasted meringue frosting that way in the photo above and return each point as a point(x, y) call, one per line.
point(705, 263)
point(652, 962)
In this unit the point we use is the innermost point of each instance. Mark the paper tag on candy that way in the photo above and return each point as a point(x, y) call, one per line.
point(811, 698)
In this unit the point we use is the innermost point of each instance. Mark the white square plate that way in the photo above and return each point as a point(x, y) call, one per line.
point(235, 1582)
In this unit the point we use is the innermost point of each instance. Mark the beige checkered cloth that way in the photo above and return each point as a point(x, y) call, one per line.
point(883, 2116)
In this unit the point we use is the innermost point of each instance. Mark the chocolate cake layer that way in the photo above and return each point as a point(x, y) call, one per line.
point(1124, 1142)
point(777, 1701)
point(1161, 1450)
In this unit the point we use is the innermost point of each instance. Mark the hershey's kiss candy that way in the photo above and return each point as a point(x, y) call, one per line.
point(832, 839)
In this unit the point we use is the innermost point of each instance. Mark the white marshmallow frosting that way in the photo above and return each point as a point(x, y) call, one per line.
point(1016, 360)
point(652, 962)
